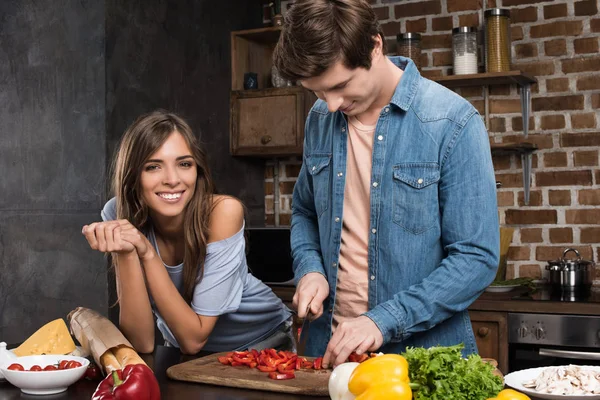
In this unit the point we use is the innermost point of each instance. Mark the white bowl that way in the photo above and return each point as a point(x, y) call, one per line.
point(44, 382)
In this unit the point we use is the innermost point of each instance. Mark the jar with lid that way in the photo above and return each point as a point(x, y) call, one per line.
point(464, 49)
point(497, 40)
point(409, 45)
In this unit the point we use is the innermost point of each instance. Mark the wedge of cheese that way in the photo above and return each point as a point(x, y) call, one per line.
point(52, 338)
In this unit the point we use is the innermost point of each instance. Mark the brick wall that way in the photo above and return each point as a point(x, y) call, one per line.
point(556, 41)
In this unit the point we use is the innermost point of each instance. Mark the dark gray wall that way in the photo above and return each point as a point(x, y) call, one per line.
point(73, 75)
point(52, 160)
point(175, 54)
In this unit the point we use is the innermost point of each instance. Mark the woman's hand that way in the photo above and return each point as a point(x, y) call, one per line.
point(118, 236)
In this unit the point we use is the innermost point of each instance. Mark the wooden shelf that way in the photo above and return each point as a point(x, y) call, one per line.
point(270, 91)
point(488, 78)
point(513, 148)
point(268, 35)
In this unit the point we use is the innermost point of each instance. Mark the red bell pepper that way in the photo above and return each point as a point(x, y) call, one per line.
point(134, 382)
point(282, 376)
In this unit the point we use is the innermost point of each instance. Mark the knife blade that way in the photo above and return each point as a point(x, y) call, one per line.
point(304, 332)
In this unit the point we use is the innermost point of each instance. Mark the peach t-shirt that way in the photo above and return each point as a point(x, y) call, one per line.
point(352, 292)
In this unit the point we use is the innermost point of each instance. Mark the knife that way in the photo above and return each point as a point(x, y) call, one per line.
point(304, 332)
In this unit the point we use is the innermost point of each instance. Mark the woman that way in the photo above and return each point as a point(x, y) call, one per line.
point(178, 249)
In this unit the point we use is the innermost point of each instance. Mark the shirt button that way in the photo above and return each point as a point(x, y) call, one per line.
point(343, 129)
point(337, 219)
point(420, 180)
point(334, 264)
point(387, 109)
point(374, 230)
point(313, 168)
point(375, 184)
point(380, 137)
point(340, 174)
point(372, 277)
point(331, 310)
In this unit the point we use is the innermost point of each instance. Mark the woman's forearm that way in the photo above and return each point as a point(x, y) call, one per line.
point(184, 323)
point(135, 316)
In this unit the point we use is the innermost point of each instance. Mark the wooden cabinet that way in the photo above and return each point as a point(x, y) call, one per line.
point(267, 121)
point(491, 335)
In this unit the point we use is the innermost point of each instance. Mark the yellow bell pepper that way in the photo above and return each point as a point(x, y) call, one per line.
point(387, 369)
point(387, 391)
point(509, 394)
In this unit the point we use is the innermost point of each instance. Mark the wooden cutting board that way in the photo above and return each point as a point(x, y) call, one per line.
point(209, 370)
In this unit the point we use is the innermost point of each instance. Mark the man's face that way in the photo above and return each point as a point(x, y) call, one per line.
point(351, 91)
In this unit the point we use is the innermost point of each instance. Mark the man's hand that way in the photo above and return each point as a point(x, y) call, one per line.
point(359, 334)
point(312, 289)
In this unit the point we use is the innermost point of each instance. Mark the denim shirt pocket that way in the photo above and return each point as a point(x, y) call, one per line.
point(318, 168)
point(415, 196)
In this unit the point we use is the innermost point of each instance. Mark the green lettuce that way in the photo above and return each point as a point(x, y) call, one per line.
point(441, 373)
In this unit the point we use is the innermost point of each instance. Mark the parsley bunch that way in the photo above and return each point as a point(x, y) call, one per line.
point(441, 373)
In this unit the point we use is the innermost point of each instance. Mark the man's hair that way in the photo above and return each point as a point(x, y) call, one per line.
point(318, 33)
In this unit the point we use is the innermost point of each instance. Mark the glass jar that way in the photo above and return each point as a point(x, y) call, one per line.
point(497, 40)
point(409, 46)
point(464, 50)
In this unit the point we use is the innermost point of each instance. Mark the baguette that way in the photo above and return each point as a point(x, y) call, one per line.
point(109, 362)
point(102, 339)
point(127, 356)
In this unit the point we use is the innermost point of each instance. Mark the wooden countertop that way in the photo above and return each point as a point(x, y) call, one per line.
point(160, 361)
point(539, 301)
point(518, 300)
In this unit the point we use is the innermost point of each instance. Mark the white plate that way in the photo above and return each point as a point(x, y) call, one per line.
point(45, 382)
point(515, 380)
point(500, 289)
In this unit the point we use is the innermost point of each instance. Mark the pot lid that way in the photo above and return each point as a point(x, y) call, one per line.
point(564, 264)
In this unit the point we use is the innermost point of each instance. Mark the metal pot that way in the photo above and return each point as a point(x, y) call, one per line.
point(571, 274)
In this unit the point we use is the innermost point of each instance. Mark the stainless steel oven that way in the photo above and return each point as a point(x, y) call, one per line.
point(540, 340)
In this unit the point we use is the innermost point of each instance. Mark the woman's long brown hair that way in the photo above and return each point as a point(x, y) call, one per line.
point(142, 139)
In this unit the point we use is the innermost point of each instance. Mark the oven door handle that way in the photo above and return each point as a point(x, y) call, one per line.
point(582, 355)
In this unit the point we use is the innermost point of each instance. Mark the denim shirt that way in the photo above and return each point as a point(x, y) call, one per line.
point(434, 233)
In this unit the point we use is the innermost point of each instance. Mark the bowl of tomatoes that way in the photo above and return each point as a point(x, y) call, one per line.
point(45, 374)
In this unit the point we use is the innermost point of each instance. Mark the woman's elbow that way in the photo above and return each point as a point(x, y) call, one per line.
point(191, 347)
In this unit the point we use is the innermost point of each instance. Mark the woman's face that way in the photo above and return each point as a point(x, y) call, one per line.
point(169, 178)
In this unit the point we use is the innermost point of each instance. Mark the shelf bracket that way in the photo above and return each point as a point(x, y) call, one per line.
point(526, 161)
point(525, 104)
point(526, 158)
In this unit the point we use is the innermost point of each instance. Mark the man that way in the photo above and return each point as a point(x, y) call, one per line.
point(395, 223)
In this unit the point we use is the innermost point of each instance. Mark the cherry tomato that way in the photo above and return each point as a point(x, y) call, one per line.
point(50, 368)
point(73, 364)
point(92, 372)
point(35, 368)
point(63, 364)
point(16, 367)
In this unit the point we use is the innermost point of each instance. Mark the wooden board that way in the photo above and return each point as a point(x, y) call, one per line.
point(209, 370)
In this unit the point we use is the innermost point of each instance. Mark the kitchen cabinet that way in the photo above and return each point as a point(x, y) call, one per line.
point(268, 121)
point(491, 336)
point(524, 82)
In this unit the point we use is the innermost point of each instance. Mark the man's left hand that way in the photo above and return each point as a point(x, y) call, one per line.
point(359, 335)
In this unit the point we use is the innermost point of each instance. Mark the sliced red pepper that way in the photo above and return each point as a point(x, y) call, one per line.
point(318, 363)
point(282, 376)
point(255, 353)
point(307, 364)
point(236, 364)
point(224, 360)
point(264, 368)
point(243, 360)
